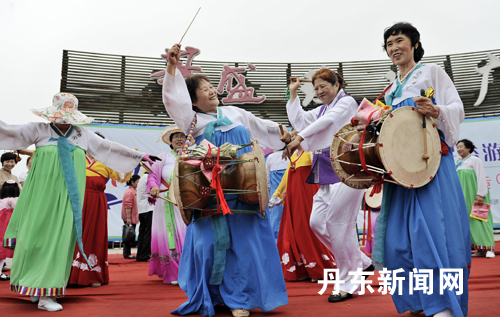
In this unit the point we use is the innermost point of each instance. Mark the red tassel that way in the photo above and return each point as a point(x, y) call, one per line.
point(216, 184)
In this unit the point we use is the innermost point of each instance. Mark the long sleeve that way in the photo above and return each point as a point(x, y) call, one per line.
point(299, 118)
point(451, 108)
point(482, 185)
point(319, 134)
point(265, 131)
point(112, 154)
point(15, 137)
point(177, 101)
point(154, 179)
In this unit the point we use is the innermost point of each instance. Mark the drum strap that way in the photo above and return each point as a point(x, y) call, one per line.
point(378, 186)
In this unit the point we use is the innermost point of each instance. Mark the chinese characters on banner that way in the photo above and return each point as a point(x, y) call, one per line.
point(236, 94)
point(391, 282)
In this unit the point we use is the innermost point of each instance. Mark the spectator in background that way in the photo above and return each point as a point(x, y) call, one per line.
point(24, 175)
point(472, 177)
point(8, 200)
point(130, 213)
point(145, 220)
point(9, 161)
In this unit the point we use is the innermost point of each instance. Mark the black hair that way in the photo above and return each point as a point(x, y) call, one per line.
point(28, 160)
point(99, 134)
point(8, 156)
point(9, 190)
point(132, 179)
point(468, 144)
point(409, 30)
point(193, 82)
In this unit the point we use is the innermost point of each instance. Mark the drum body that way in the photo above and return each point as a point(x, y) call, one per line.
point(396, 153)
point(247, 173)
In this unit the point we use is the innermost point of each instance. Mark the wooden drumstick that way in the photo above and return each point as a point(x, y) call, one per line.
point(302, 80)
point(166, 199)
point(424, 126)
point(189, 25)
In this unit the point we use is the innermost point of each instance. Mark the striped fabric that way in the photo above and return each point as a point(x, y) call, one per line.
point(32, 291)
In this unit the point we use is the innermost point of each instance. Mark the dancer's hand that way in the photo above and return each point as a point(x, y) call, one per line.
point(155, 192)
point(479, 200)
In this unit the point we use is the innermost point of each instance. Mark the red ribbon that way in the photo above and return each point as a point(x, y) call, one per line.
point(216, 184)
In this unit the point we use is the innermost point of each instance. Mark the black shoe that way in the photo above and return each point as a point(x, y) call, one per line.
point(371, 268)
point(339, 297)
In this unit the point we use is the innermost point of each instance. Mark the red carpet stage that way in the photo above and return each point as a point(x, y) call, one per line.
point(132, 292)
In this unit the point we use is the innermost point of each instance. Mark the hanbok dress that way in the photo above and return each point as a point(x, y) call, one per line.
point(302, 254)
point(168, 229)
point(427, 227)
point(232, 259)
point(7, 205)
point(95, 226)
point(336, 205)
point(275, 169)
point(47, 218)
point(473, 180)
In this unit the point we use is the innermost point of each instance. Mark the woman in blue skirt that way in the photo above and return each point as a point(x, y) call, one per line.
point(231, 260)
point(426, 227)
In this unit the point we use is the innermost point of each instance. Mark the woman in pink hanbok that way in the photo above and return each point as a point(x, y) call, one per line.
point(168, 228)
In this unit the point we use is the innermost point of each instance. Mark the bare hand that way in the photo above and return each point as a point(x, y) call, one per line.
point(426, 107)
point(155, 192)
point(129, 221)
point(285, 136)
point(174, 54)
point(294, 84)
point(479, 200)
point(292, 146)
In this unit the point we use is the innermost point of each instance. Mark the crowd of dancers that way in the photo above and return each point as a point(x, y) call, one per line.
point(311, 225)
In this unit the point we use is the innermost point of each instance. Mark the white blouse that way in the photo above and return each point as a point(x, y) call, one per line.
point(475, 163)
point(179, 107)
point(318, 132)
point(451, 108)
point(112, 154)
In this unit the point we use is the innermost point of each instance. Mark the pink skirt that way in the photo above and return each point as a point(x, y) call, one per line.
point(5, 215)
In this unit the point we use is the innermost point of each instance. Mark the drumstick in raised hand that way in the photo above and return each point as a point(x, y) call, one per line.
point(189, 25)
point(424, 126)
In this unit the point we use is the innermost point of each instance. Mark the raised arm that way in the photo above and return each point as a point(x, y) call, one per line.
point(175, 93)
point(299, 118)
point(14, 137)
point(112, 154)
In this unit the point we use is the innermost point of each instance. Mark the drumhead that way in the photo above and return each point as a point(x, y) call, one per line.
point(374, 201)
point(402, 139)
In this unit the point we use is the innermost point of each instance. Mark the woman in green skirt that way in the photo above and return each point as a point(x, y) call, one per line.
point(47, 219)
point(473, 180)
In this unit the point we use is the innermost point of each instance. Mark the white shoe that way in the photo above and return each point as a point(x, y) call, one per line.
point(174, 283)
point(490, 254)
point(444, 313)
point(49, 304)
point(35, 299)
